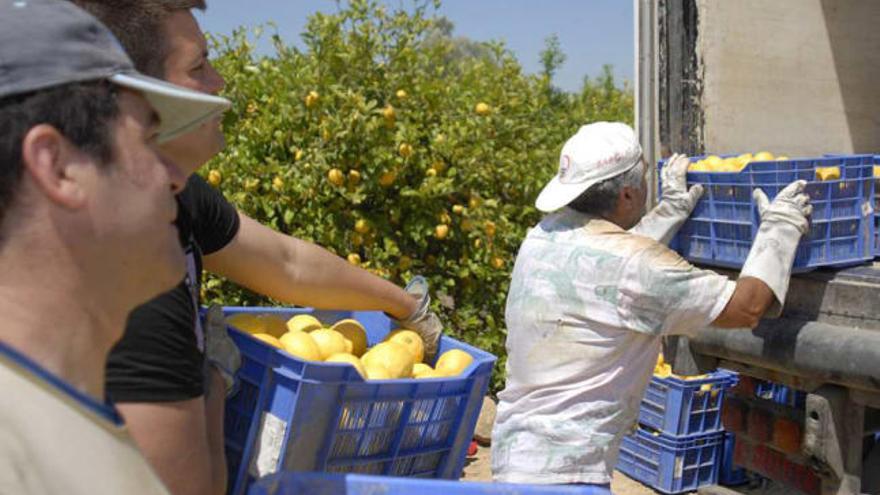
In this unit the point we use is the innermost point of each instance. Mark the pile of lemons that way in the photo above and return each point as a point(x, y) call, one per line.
point(714, 163)
point(399, 355)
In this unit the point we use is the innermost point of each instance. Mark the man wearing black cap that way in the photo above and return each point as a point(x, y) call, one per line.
point(86, 233)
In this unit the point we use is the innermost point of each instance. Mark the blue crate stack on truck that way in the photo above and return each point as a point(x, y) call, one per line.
point(678, 444)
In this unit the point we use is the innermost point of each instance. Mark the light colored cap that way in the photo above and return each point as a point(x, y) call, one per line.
point(596, 153)
point(49, 43)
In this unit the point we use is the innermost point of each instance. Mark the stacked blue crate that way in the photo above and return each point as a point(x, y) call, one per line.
point(677, 446)
point(720, 230)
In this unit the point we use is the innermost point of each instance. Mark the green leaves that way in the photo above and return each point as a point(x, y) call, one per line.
point(490, 165)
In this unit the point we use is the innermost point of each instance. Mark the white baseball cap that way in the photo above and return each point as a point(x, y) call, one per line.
point(48, 43)
point(596, 153)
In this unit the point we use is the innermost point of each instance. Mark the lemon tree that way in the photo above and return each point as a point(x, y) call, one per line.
point(390, 145)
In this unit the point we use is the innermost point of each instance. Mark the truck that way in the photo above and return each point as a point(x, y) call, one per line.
point(799, 78)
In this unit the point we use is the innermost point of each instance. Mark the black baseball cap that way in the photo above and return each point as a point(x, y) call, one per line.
point(48, 43)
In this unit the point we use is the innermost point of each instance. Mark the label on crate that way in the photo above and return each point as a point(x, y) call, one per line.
point(678, 469)
point(269, 443)
point(867, 209)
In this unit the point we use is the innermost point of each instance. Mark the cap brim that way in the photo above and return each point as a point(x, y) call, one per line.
point(555, 194)
point(180, 110)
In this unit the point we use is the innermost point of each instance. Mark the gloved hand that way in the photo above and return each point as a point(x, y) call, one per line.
point(423, 321)
point(220, 350)
point(783, 222)
point(676, 202)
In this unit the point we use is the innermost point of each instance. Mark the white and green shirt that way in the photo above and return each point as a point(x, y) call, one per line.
point(587, 307)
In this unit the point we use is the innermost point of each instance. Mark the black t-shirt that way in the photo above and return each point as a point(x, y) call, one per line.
point(161, 355)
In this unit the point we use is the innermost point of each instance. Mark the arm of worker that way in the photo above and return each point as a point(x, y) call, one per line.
point(301, 273)
point(660, 293)
point(676, 202)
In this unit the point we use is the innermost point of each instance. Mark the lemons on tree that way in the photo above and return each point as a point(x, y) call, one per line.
point(330, 342)
point(269, 339)
point(453, 362)
point(354, 332)
point(411, 340)
point(344, 357)
point(303, 323)
point(394, 357)
point(301, 345)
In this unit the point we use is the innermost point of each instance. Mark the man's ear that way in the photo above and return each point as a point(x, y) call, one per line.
point(55, 165)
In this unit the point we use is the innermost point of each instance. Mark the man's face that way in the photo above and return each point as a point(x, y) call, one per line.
point(638, 205)
point(134, 205)
point(186, 64)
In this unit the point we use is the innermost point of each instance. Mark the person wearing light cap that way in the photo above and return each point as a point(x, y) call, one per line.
point(593, 291)
point(87, 209)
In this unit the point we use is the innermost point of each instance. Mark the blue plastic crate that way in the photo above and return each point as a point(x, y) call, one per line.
point(724, 222)
point(781, 394)
point(296, 415)
point(669, 464)
point(678, 407)
point(728, 474)
point(358, 484)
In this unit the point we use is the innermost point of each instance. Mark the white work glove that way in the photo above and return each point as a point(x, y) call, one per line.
point(783, 222)
point(423, 321)
point(220, 350)
point(676, 202)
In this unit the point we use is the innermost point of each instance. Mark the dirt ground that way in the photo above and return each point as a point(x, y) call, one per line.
point(478, 468)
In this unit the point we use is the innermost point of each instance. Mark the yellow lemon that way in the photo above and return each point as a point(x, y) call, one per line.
point(420, 368)
point(269, 339)
point(389, 113)
point(411, 340)
point(273, 325)
point(354, 332)
point(457, 209)
point(361, 226)
point(497, 263)
point(395, 357)
point(277, 184)
point(301, 345)
point(303, 323)
point(246, 322)
point(330, 342)
point(354, 259)
point(335, 177)
point(214, 178)
point(827, 173)
point(441, 231)
point(387, 179)
point(405, 150)
point(876, 170)
point(354, 177)
point(453, 362)
point(377, 372)
point(401, 94)
point(311, 99)
point(344, 357)
point(782, 158)
point(713, 162)
point(482, 109)
point(699, 166)
point(763, 156)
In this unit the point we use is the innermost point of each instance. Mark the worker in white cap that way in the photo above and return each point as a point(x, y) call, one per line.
point(593, 291)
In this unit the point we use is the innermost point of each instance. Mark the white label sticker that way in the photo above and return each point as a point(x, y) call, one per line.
point(679, 467)
point(867, 209)
point(269, 443)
